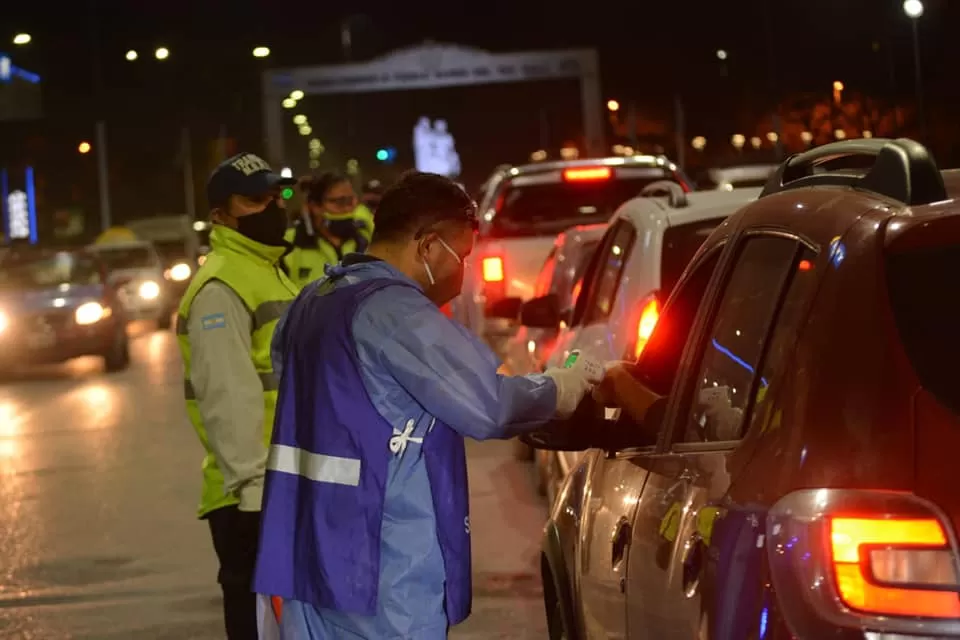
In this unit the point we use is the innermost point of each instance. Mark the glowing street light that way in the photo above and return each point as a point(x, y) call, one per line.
point(22, 38)
point(289, 103)
point(773, 137)
point(305, 130)
point(738, 140)
point(162, 53)
point(299, 119)
point(840, 134)
point(721, 54)
point(613, 105)
point(261, 52)
point(84, 147)
point(807, 137)
point(131, 55)
point(755, 142)
point(913, 8)
point(296, 94)
point(699, 143)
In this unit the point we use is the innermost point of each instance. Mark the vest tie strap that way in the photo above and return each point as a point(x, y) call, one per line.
point(400, 439)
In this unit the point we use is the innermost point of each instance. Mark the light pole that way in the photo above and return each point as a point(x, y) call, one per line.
point(914, 10)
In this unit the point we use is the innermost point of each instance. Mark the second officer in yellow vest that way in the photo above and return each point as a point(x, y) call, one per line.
point(225, 325)
point(333, 225)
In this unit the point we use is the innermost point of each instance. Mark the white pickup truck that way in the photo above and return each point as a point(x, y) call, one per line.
point(522, 209)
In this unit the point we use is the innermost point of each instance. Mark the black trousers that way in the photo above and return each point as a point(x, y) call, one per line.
point(235, 536)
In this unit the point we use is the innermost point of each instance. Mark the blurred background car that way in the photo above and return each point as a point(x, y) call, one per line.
point(58, 305)
point(134, 268)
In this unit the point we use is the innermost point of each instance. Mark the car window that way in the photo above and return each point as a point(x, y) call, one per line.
point(786, 331)
point(680, 243)
point(545, 277)
point(568, 280)
point(734, 344)
point(606, 279)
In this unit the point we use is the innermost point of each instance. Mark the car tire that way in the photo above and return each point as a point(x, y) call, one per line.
point(118, 357)
point(556, 621)
point(165, 321)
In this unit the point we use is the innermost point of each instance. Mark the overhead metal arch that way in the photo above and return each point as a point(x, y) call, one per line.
point(434, 66)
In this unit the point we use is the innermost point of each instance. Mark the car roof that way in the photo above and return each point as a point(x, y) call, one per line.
point(123, 244)
point(817, 202)
point(614, 161)
point(646, 211)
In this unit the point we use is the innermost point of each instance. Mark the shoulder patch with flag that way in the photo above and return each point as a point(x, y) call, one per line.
point(213, 321)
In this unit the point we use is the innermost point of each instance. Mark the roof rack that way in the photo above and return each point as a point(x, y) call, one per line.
point(674, 192)
point(902, 169)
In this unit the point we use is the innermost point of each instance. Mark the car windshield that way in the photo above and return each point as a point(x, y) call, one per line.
point(126, 257)
point(925, 302)
point(680, 244)
point(524, 209)
point(565, 280)
point(44, 272)
point(171, 251)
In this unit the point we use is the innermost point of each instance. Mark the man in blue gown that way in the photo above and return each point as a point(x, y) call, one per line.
point(366, 530)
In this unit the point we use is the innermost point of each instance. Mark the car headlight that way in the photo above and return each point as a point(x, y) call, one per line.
point(90, 312)
point(149, 290)
point(180, 271)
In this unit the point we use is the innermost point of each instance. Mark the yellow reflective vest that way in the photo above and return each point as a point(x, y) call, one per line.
point(306, 264)
point(252, 271)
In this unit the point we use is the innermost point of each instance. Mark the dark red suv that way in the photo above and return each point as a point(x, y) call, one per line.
point(794, 477)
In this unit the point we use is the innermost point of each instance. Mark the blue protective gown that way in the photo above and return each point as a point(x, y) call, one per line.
point(417, 362)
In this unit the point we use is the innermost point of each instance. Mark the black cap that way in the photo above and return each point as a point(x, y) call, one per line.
point(243, 175)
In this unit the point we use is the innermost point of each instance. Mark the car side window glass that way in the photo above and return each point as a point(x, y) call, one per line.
point(545, 277)
point(734, 345)
point(789, 322)
point(606, 281)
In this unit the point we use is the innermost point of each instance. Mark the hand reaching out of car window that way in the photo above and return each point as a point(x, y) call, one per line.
point(620, 388)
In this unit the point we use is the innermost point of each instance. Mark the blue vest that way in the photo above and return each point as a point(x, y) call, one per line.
point(324, 492)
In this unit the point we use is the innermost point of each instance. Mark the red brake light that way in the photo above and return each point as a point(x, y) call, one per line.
point(493, 269)
point(649, 317)
point(590, 174)
point(805, 265)
point(881, 566)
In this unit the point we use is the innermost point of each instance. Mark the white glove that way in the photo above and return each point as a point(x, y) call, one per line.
point(574, 383)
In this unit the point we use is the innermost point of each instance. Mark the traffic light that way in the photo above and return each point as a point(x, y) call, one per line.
point(287, 193)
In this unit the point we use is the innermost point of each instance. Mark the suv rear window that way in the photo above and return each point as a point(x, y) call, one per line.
point(925, 300)
point(550, 208)
point(680, 244)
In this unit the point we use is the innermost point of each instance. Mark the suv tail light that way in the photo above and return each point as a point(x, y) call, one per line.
point(879, 560)
point(494, 278)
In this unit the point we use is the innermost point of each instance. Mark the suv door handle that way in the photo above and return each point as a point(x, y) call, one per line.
point(621, 540)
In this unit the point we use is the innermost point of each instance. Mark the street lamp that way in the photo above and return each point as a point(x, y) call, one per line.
point(299, 119)
point(261, 52)
point(721, 54)
point(162, 53)
point(613, 106)
point(22, 38)
point(84, 147)
point(131, 55)
point(914, 10)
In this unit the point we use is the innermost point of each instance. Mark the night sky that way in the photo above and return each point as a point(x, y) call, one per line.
point(649, 52)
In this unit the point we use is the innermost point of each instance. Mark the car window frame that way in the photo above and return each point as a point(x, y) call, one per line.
point(681, 395)
point(582, 315)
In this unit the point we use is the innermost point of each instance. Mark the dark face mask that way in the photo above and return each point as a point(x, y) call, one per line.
point(343, 229)
point(266, 227)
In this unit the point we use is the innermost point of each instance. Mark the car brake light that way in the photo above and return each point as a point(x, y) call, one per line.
point(894, 566)
point(647, 323)
point(493, 269)
point(878, 560)
point(591, 174)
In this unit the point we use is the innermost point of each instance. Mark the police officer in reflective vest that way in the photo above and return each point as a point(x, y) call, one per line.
point(224, 326)
point(334, 224)
point(366, 529)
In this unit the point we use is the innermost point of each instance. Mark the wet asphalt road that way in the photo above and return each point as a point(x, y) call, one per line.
point(99, 477)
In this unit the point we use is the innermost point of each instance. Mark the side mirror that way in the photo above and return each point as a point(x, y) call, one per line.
point(508, 308)
point(589, 429)
point(541, 313)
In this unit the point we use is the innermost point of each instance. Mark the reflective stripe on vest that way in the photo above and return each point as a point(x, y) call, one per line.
point(251, 271)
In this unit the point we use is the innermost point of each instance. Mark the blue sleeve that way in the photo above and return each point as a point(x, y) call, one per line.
point(447, 370)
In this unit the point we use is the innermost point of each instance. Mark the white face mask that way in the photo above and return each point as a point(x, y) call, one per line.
point(427, 266)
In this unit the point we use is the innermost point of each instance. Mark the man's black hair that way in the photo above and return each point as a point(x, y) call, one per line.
point(418, 201)
point(316, 188)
